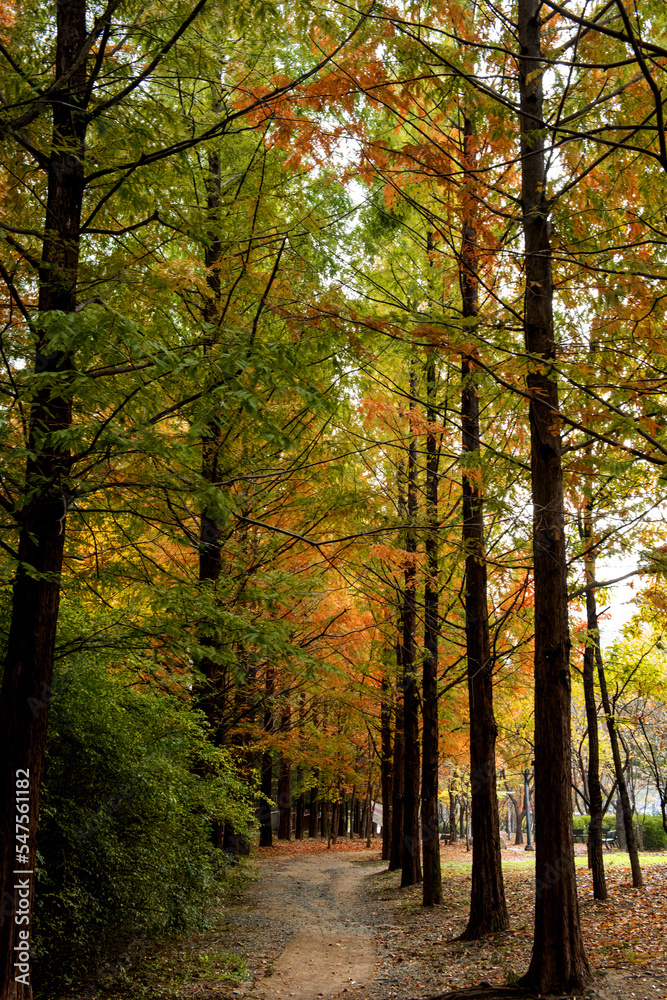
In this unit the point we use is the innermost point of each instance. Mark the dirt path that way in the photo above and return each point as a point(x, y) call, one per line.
point(312, 903)
point(325, 925)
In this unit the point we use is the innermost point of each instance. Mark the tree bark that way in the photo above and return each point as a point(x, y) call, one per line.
point(385, 766)
point(432, 889)
point(265, 831)
point(28, 670)
point(335, 810)
point(312, 819)
point(626, 807)
point(559, 962)
point(488, 909)
point(411, 867)
point(300, 810)
point(285, 786)
point(595, 856)
point(396, 855)
point(453, 836)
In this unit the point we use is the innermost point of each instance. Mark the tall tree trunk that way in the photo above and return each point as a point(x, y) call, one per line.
point(334, 821)
point(385, 766)
point(265, 831)
point(371, 811)
point(285, 785)
point(411, 867)
point(626, 807)
point(488, 909)
point(519, 813)
point(28, 669)
point(300, 809)
point(312, 819)
point(396, 855)
point(595, 857)
point(432, 889)
point(559, 962)
point(212, 692)
point(453, 836)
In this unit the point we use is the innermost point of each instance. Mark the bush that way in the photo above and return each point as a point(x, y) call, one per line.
point(584, 822)
point(130, 790)
point(655, 838)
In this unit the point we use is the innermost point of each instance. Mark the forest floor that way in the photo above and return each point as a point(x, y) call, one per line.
point(313, 924)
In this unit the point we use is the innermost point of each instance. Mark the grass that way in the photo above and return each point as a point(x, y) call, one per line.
point(525, 861)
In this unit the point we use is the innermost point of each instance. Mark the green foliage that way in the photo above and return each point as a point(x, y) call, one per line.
point(130, 792)
point(655, 838)
point(584, 822)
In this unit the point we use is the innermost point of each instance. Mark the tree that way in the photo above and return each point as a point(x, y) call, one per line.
point(559, 958)
point(83, 400)
point(432, 890)
point(488, 910)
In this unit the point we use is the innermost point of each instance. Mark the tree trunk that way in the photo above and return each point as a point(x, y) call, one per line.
point(385, 767)
point(300, 813)
point(334, 821)
point(364, 818)
point(285, 787)
point(26, 683)
point(559, 962)
point(452, 817)
point(371, 812)
point(628, 825)
point(488, 910)
point(411, 867)
point(432, 890)
point(595, 857)
point(519, 813)
point(211, 693)
point(396, 855)
point(312, 819)
point(265, 831)
point(620, 824)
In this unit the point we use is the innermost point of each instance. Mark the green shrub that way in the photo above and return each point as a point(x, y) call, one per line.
point(655, 838)
point(584, 822)
point(130, 790)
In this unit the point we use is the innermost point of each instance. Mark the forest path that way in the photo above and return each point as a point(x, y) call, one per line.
point(312, 904)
